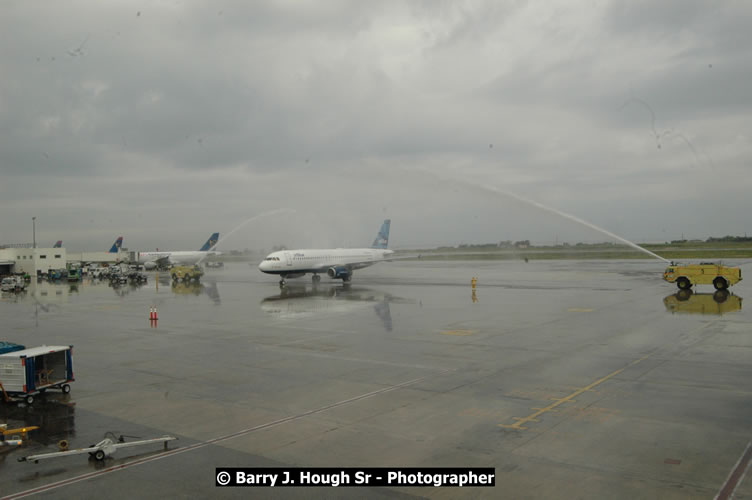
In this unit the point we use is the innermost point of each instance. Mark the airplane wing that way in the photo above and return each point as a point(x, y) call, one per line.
point(163, 261)
point(410, 256)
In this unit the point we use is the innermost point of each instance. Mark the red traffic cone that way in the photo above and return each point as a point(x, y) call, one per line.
point(155, 314)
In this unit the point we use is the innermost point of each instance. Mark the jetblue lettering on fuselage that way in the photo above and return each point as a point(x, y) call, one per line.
point(299, 255)
point(154, 254)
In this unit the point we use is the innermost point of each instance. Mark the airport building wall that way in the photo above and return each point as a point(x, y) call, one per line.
point(29, 260)
point(22, 259)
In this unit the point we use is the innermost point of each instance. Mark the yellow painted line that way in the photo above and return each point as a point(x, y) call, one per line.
point(461, 333)
point(558, 402)
point(579, 310)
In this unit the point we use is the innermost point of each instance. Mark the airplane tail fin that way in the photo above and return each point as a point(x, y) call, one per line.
point(58, 244)
point(213, 239)
point(382, 239)
point(116, 246)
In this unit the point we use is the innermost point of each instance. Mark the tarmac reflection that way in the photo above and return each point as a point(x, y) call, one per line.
point(53, 413)
point(689, 302)
point(299, 301)
point(197, 288)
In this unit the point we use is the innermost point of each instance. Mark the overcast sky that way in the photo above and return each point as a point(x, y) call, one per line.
point(166, 121)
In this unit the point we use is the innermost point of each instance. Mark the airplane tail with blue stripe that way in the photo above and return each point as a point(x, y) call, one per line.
point(382, 239)
point(58, 244)
point(213, 239)
point(116, 246)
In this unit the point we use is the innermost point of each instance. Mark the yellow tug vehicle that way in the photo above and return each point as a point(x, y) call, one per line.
point(186, 273)
point(704, 273)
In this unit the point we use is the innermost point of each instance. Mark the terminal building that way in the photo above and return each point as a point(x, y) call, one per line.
point(23, 258)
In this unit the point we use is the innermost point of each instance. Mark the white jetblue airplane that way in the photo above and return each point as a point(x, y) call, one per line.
point(152, 260)
point(337, 263)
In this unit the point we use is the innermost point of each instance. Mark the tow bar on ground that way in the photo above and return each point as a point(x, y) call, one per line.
point(103, 449)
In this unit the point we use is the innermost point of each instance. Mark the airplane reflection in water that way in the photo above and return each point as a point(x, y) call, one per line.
point(296, 302)
point(197, 288)
point(686, 301)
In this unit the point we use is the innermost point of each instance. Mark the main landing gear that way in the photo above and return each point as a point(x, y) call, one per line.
point(316, 278)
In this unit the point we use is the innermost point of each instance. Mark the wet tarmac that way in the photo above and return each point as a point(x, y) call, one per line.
point(588, 379)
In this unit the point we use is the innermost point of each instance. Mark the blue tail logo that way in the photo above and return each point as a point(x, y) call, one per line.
point(116, 246)
point(58, 244)
point(213, 239)
point(382, 239)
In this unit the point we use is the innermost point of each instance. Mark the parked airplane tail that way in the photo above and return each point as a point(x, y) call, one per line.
point(382, 239)
point(58, 244)
point(213, 239)
point(116, 246)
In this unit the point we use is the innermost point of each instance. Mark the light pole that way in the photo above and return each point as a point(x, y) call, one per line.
point(34, 230)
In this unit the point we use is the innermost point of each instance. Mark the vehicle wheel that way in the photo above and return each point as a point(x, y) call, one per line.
point(720, 296)
point(29, 399)
point(282, 283)
point(683, 283)
point(99, 455)
point(720, 283)
point(174, 277)
point(66, 388)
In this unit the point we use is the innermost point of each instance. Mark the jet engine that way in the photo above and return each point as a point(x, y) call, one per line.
point(338, 272)
point(150, 265)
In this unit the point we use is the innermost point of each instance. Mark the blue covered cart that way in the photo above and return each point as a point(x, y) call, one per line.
point(28, 372)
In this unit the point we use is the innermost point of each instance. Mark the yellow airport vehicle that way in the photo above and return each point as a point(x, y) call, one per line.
point(14, 437)
point(719, 302)
point(186, 273)
point(704, 273)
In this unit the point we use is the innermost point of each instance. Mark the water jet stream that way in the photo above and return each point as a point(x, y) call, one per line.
point(259, 216)
point(546, 208)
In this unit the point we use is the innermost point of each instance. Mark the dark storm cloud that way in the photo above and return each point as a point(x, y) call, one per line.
point(214, 112)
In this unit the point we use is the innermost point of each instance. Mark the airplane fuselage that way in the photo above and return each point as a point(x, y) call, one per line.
point(294, 263)
point(177, 257)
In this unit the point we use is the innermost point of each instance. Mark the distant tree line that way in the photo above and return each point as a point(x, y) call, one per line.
point(724, 239)
point(734, 239)
point(501, 244)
